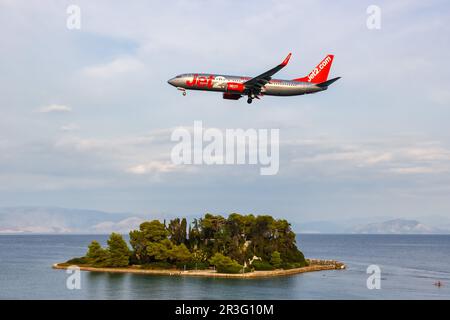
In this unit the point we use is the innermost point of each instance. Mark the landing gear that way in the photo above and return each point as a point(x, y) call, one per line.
point(182, 90)
point(251, 96)
point(184, 93)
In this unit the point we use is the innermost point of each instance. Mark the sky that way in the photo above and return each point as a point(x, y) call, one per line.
point(87, 114)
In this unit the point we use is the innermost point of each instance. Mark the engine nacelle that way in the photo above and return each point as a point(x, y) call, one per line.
point(231, 96)
point(235, 87)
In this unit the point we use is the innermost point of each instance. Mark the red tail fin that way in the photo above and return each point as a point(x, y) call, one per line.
point(320, 73)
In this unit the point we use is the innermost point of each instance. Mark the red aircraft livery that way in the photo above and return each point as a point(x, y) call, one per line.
point(235, 87)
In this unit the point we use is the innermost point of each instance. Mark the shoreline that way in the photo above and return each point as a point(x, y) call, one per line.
point(315, 265)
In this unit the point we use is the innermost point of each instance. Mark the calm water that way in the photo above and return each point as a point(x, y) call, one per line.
point(410, 265)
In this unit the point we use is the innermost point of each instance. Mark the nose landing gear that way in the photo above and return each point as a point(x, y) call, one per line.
point(183, 90)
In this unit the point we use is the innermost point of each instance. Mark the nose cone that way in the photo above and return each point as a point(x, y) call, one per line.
point(172, 82)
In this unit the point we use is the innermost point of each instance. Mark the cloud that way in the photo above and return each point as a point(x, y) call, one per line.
point(416, 170)
point(118, 66)
point(399, 156)
point(138, 155)
point(111, 164)
point(70, 127)
point(56, 108)
point(153, 167)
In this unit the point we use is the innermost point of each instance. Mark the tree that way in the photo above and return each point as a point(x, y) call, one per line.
point(159, 251)
point(194, 234)
point(180, 253)
point(139, 245)
point(198, 255)
point(154, 231)
point(221, 241)
point(96, 255)
point(225, 264)
point(210, 225)
point(177, 230)
point(285, 243)
point(275, 259)
point(149, 232)
point(119, 253)
point(261, 234)
point(183, 230)
point(235, 236)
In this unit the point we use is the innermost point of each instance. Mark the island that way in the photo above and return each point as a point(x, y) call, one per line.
point(239, 246)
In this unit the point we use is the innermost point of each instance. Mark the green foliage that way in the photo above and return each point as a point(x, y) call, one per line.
point(154, 231)
point(78, 261)
point(139, 245)
point(96, 255)
point(119, 253)
point(275, 259)
point(159, 251)
point(194, 234)
point(198, 255)
point(180, 253)
point(177, 230)
point(225, 264)
point(262, 265)
point(211, 240)
point(149, 233)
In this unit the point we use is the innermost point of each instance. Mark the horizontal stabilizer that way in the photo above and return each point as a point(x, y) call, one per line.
point(327, 83)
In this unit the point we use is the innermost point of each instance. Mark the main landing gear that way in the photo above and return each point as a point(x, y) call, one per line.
point(251, 96)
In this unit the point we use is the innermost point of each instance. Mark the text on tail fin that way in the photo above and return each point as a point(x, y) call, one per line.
point(320, 72)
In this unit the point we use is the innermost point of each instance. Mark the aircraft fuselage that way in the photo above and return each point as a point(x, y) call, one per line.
point(235, 84)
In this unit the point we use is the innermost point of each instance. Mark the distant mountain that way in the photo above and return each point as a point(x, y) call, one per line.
point(62, 220)
point(398, 226)
point(319, 227)
point(54, 220)
point(336, 226)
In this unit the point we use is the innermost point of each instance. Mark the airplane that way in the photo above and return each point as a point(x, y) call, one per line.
point(235, 87)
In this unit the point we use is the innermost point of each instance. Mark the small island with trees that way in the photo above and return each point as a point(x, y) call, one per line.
point(237, 246)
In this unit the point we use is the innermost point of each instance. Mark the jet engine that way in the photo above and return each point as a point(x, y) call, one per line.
point(231, 96)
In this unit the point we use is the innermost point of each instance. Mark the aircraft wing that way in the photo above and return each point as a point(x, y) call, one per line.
point(255, 84)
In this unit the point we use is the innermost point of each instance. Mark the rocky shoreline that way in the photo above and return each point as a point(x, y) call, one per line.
point(314, 265)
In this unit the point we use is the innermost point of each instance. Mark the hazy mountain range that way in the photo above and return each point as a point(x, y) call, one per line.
point(62, 220)
point(55, 220)
point(398, 226)
point(388, 226)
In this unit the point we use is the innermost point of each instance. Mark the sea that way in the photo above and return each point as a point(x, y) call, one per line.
point(409, 267)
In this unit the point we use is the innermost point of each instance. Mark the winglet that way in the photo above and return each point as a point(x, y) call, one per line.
point(285, 61)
